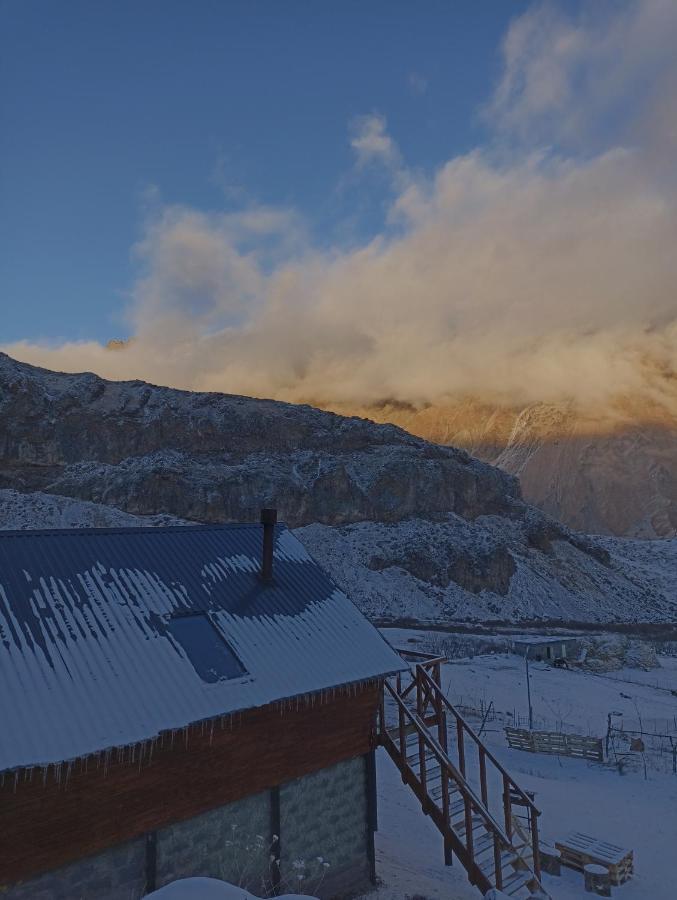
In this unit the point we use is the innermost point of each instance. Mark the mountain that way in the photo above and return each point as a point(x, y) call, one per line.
point(408, 527)
point(605, 473)
point(218, 457)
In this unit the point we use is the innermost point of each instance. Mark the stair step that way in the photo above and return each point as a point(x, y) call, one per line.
point(514, 862)
point(436, 792)
point(515, 882)
point(459, 825)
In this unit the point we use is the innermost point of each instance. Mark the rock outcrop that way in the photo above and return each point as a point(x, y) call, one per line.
point(606, 472)
point(217, 457)
point(408, 528)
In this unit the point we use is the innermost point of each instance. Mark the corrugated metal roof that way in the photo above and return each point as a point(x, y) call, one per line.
point(87, 661)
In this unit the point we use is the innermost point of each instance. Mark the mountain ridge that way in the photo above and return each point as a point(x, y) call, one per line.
point(407, 527)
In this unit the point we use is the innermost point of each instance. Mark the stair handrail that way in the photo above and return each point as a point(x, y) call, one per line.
point(459, 718)
point(444, 760)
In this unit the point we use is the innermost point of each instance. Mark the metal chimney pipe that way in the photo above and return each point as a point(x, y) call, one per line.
point(268, 520)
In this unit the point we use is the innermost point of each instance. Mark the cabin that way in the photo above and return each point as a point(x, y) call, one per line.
point(183, 701)
point(546, 649)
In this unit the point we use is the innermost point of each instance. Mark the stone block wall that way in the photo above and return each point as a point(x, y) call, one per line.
point(117, 874)
point(231, 842)
point(323, 829)
point(325, 841)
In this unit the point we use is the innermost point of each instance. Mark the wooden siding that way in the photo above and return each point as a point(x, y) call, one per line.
point(45, 825)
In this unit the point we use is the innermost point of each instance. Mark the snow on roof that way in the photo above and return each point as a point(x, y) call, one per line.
point(93, 654)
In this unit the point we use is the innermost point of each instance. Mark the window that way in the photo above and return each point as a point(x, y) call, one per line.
point(208, 652)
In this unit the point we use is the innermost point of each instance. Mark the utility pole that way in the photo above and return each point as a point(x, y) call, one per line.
point(531, 712)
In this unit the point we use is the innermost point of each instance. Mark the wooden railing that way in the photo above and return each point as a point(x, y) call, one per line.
point(473, 807)
point(433, 747)
point(511, 790)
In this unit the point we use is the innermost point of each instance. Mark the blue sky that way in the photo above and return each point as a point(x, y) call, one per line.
point(344, 202)
point(215, 105)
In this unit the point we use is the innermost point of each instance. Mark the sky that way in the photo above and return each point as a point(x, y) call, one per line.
point(342, 202)
point(212, 105)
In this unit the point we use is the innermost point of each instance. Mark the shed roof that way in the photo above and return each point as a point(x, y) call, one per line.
point(92, 655)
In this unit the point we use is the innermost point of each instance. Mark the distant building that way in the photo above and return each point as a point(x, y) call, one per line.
point(179, 702)
point(546, 648)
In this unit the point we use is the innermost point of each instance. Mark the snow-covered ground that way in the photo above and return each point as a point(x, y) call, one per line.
point(210, 889)
point(629, 810)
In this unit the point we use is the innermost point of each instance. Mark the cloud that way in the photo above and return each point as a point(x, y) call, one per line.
point(515, 273)
point(372, 143)
point(586, 81)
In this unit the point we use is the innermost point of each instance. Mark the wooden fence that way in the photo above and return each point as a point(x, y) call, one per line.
point(555, 743)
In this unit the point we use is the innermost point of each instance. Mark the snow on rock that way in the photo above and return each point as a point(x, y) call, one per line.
point(458, 571)
point(407, 528)
point(38, 510)
point(218, 457)
point(211, 889)
point(452, 569)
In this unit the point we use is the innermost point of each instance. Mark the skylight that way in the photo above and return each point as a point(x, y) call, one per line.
point(210, 655)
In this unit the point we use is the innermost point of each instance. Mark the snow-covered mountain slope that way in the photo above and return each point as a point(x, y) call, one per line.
point(610, 473)
point(489, 570)
point(451, 570)
point(38, 510)
point(217, 457)
point(409, 528)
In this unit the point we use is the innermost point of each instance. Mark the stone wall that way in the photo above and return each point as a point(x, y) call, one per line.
point(116, 874)
point(325, 841)
point(324, 831)
point(231, 842)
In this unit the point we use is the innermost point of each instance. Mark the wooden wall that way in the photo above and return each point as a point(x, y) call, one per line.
point(44, 826)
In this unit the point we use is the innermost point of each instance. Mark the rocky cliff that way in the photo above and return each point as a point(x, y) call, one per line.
point(611, 472)
point(216, 457)
point(407, 527)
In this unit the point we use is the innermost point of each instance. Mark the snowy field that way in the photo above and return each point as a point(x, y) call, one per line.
point(631, 810)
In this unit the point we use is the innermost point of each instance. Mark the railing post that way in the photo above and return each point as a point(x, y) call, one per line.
point(421, 763)
point(402, 735)
point(448, 855)
point(441, 722)
point(534, 844)
point(421, 741)
point(498, 869)
point(507, 807)
point(468, 827)
point(461, 746)
point(483, 775)
point(382, 713)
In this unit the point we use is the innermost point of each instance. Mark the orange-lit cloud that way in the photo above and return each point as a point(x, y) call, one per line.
point(517, 272)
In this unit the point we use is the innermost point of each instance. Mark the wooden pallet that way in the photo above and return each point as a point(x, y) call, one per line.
point(555, 743)
point(579, 850)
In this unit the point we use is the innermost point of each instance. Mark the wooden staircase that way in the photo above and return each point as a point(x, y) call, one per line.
point(475, 804)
